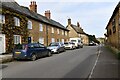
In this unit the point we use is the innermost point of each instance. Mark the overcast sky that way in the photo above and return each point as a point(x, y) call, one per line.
point(93, 15)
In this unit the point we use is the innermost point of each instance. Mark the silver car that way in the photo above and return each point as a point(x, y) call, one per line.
point(56, 47)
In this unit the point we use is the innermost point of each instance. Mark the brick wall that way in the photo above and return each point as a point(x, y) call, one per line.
point(46, 33)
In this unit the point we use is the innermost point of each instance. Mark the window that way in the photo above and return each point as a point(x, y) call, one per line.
point(41, 46)
point(41, 27)
point(114, 26)
point(58, 40)
point(52, 30)
point(41, 40)
point(52, 39)
point(58, 31)
point(17, 21)
point(29, 24)
point(63, 40)
point(66, 33)
point(62, 32)
point(17, 39)
point(2, 19)
point(110, 32)
point(119, 21)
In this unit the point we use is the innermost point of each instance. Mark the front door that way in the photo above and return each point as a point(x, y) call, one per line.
point(2, 43)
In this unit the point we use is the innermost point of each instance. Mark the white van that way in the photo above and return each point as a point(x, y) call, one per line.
point(78, 42)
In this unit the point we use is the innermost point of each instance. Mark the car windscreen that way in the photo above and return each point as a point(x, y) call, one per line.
point(73, 40)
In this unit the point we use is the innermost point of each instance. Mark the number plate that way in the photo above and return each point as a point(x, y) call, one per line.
point(18, 52)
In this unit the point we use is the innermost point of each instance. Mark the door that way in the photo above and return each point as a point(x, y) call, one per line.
point(2, 43)
point(29, 39)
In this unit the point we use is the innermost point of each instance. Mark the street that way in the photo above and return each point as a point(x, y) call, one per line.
point(76, 63)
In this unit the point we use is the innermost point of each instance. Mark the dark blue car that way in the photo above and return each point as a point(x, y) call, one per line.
point(30, 51)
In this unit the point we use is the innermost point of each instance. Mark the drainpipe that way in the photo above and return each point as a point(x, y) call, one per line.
point(47, 34)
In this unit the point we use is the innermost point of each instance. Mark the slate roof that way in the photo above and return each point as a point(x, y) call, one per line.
point(25, 10)
point(114, 12)
point(78, 29)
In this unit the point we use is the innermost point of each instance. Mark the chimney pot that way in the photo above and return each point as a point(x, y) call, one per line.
point(33, 6)
point(48, 14)
point(69, 21)
point(78, 25)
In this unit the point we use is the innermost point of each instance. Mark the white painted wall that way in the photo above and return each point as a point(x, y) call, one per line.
point(2, 43)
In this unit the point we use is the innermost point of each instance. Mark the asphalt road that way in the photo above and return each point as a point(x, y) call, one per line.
point(76, 63)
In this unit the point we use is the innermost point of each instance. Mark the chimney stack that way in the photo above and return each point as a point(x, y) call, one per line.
point(33, 6)
point(78, 24)
point(48, 14)
point(69, 21)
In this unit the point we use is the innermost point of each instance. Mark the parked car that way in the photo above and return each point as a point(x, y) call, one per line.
point(92, 44)
point(56, 47)
point(78, 42)
point(69, 45)
point(30, 51)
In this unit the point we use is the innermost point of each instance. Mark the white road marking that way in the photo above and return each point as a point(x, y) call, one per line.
point(91, 73)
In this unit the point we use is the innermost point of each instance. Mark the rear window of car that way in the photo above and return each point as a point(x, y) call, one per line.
point(65, 43)
point(20, 46)
point(54, 44)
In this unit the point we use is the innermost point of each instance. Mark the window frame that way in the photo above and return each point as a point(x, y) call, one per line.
point(2, 18)
point(41, 40)
point(114, 25)
point(17, 40)
point(16, 21)
point(62, 32)
point(66, 33)
point(41, 27)
point(52, 30)
point(52, 39)
point(29, 24)
point(58, 31)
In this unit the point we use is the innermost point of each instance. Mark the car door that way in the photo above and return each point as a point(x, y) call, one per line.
point(43, 49)
point(37, 50)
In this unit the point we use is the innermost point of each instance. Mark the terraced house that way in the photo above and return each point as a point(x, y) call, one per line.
point(77, 31)
point(19, 24)
point(13, 26)
point(113, 29)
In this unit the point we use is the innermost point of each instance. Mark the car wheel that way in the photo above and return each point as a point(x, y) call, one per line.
point(49, 54)
point(58, 51)
point(33, 57)
point(64, 49)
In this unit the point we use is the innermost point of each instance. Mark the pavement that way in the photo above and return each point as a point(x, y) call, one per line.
point(107, 65)
point(5, 58)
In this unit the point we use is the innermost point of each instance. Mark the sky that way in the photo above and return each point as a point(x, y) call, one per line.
point(93, 15)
